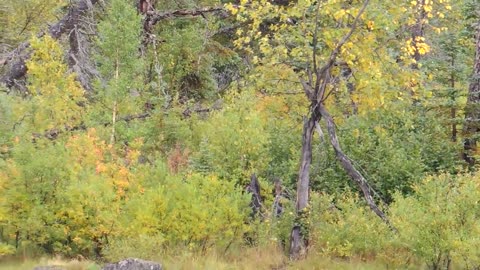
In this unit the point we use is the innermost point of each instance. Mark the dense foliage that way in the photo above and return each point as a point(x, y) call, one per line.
point(137, 134)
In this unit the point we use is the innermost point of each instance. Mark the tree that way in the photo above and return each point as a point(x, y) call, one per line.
point(472, 110)
point(119, 89)
point(290, 37)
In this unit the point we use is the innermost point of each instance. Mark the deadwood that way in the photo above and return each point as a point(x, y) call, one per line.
point(14, 68)
point(472, 110)
point(155, 16)
point(315, 90)
point(254, 189)
point(348, 166)
point(14, 62)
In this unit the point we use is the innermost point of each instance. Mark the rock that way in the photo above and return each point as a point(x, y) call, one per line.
point(133, 264)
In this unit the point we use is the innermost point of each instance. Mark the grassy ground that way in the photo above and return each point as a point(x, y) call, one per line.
point(242, 259)
point(206, 264)
point(253, 258)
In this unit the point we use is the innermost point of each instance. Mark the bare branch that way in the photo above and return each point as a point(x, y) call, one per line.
point(349, 168)
point(16, 59)
point(153, 17)
point(336, 50)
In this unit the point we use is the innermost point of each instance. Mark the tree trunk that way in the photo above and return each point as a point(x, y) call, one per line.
point(298, 241)
point(453, 109)
point(347, 165)
point(472, 110)
point(17, 68)
point(254, 189)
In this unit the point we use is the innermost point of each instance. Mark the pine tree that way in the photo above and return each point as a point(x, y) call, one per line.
point(119, 62)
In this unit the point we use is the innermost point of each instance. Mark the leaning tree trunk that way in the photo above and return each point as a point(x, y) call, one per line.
point(298, 239)
point(472, 110)
point(349, 168)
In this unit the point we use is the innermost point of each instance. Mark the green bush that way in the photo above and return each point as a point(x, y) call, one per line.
point(393, 148)
point(233, 142)
point(345, 227)
point(6, 249)
point(440, 223)
point(197, 213)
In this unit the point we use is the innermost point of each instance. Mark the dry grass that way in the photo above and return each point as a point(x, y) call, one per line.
point(271, 258)
point(22, 264)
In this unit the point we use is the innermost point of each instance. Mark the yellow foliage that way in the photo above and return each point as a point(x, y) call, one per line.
point(21, 19)
point(56, 94)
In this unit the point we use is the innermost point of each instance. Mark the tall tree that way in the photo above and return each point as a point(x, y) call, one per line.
point(472, 110)
point(309, 43)
point(120, 65)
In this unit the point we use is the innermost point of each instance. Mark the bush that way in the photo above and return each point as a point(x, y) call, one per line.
point(345, 227)
point(6, 249)
point(440, 222)
point(394, 149)
point(196, 213)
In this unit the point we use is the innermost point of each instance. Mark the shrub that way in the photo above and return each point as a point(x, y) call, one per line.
point(345, 227)
point(440, 222)
point(197, 213)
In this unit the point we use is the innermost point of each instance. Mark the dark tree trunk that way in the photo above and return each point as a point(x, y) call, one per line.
point(472, 110)
point(278, 194)
point(254, 189)
point(418, 31)
point(299, 241)
point(453, 109)
point(16, 68)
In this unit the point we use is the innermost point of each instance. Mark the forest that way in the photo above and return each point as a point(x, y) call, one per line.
point(240, 134)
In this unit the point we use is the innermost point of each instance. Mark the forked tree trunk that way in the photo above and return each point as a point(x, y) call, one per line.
point(298, 241)
point(472, 110)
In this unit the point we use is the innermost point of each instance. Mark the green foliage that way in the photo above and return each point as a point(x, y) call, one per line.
point(55, 94)
point(233, 141)
point(194, 64)
point(171, 178)
point(198, 213)
point(21, 20)
point(6, 249)
point(344, 227)
point(119, 91)
point(119, 39)
point(394, 147)
point(440, 222)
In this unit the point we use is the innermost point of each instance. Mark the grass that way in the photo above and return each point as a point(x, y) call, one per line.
point(29, 264)
point(244, 259)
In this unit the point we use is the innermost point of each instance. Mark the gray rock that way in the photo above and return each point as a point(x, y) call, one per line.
point(133, 264)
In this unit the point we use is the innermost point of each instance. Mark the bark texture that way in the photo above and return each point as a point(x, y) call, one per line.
point(15, 61)
point(298, 241)
point(472, 110)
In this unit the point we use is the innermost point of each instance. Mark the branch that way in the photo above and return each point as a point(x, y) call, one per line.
point(15, 60)
point(350, 169)
point(153, 17)
point(320, 72)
